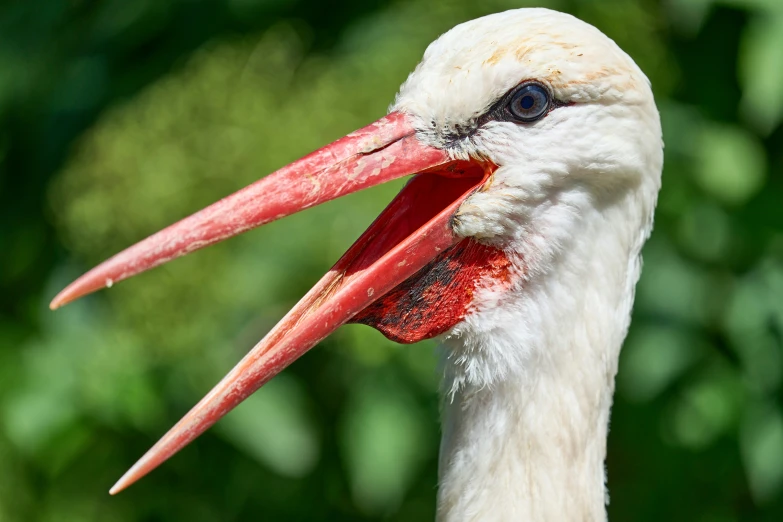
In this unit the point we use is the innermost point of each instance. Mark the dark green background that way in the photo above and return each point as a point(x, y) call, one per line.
point(119, 116)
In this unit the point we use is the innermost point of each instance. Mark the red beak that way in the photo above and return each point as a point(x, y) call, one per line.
point(408, 235)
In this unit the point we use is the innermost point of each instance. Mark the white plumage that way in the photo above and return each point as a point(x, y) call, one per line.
point(530, 372)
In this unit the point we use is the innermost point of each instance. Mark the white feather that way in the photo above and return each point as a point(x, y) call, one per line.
point(529, 373)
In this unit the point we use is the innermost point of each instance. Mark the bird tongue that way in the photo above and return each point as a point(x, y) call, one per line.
point(410, 238)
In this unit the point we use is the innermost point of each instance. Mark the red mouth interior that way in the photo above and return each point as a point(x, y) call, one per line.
point(423, 198)
point(437, 296)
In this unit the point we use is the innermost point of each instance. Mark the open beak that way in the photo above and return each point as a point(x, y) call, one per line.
point(410, 233)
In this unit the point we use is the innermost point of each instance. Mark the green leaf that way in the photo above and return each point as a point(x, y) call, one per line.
point(731, 163)
point(383, 442)
point(707, 409)
point(652, 358)
point(761, 71)
point(274, 427)
point(761, 442)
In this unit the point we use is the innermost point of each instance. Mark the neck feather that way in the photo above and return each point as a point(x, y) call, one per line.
point(529, 380)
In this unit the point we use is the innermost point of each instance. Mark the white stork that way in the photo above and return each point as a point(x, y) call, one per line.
point(536, 150)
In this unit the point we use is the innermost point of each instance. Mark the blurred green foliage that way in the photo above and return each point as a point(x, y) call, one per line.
point(119, 117)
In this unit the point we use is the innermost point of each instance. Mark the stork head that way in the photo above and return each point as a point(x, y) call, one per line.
point(592, 125)
point(513, 125)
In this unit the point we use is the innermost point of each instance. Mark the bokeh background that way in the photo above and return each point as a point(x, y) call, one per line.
point(118, 117)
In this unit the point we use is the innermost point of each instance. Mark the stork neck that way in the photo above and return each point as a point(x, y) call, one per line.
point(532, 452)
point(529, 385)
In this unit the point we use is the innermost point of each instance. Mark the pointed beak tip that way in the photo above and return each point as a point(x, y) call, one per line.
point(83, 286)
point(61, 299)
point(121, 484)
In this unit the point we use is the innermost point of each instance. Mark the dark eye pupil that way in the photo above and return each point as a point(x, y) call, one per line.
point(527, 102)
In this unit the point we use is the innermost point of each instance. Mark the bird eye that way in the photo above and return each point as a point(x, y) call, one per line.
point(529, 103)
